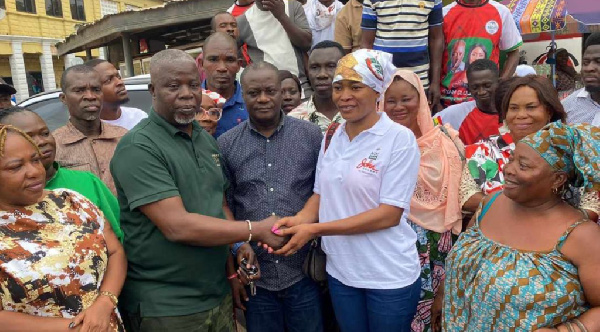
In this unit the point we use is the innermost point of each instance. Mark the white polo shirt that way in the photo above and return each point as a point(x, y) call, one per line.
point(380, 165)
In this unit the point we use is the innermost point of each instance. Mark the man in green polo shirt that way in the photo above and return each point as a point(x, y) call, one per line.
point(170, 187)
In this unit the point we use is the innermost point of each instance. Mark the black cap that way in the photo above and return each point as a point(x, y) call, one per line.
point(6, 88)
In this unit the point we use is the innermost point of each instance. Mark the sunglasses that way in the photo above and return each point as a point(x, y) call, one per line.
point(210, 114)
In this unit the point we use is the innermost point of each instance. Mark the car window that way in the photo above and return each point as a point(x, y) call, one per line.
point(53, 112)
point(139, 99)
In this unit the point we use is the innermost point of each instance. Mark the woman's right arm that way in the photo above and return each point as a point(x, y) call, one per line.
point(308, 215)
point(15, 321)
point(577, 248)
point(469, 193)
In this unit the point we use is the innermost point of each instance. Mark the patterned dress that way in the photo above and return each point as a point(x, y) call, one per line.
point(433, 249)
point(53, 257)
point(492, 287)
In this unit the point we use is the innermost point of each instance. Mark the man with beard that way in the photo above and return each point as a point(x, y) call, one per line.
point(478, 119)
point(270, 161)
point(86, 143)
point(115, 95)
point(170, 186)
point(221, 64)
point(320, 108)
point(583, 105)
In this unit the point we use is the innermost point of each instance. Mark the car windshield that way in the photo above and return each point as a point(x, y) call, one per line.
point(56, 115)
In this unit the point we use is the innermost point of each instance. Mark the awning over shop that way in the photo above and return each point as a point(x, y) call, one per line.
point(174, 24)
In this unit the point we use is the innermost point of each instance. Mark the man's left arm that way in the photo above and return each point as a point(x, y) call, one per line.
point(297, 28)
point(436, 49)
point(511, 63)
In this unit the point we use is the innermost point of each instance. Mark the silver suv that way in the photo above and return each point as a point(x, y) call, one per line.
point(52, 110)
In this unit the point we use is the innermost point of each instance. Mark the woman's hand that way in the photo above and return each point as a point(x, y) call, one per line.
point(301, 234)
point(96, 318)
point(290, 222)
point(436, 312)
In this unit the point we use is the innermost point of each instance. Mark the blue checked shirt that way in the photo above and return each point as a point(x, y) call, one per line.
point(271, 176)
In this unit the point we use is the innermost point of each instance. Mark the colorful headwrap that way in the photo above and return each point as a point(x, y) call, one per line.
point(574, 149)
point(372, 68)
point(216, 97)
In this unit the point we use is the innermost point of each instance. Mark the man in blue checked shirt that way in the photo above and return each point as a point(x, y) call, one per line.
point(270, 162)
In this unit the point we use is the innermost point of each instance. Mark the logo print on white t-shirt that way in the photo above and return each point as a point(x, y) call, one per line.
point(492, 27)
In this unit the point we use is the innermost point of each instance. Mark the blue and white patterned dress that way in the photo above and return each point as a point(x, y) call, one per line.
point(492, 287)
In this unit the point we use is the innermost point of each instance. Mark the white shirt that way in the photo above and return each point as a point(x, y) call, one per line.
point(129, 117)
point(580, 107)
point(456, 114)
point(379, 166)
point(596, 121)
point(322, 24)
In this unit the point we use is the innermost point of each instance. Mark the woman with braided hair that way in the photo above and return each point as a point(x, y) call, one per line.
point(61, 265)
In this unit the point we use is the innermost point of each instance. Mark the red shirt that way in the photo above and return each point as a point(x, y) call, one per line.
point(237, 10)
point(477, 126)
point(473, 32)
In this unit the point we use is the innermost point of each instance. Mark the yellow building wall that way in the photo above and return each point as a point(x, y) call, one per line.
point(4, 66)
point(41, 25)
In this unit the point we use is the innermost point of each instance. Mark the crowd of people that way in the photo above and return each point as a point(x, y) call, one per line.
point(445, 192)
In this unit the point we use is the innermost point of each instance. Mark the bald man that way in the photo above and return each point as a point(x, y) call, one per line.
point(170, 185)
point(221, 65)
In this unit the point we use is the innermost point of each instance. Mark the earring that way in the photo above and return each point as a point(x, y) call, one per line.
point(555, 191)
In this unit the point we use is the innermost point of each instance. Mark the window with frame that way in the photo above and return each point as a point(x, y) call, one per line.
point(77, 10)
point(27, 6)
point(54, 8)
point(2, 4)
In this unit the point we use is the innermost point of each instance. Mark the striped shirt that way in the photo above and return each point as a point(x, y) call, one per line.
point(403, 30)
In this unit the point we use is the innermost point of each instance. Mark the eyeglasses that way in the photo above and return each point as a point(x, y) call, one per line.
point(210, 114)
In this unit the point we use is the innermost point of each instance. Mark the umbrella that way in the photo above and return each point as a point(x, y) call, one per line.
point(587, 12)
point(535, 16)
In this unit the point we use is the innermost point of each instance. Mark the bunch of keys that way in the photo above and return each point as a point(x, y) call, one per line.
point(250, 272)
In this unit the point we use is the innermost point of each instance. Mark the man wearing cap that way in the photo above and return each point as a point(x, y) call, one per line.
point(6, 91)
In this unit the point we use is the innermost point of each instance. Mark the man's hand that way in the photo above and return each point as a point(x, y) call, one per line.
point(238, 292)
point(276, 7)
point(246, 251)
point(433, 97)
point(265, 235)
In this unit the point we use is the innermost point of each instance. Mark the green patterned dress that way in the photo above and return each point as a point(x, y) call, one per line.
point(492, 287)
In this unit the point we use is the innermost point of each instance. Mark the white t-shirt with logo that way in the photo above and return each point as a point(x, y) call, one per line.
point(129, 117)
point(379, 166)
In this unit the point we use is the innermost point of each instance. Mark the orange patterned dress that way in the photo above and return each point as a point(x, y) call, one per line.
point(53, 257)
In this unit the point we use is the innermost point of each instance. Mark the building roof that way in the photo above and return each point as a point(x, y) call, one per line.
point(175, 23)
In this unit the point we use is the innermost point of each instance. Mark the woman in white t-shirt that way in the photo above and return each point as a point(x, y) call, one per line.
point(364, 183)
